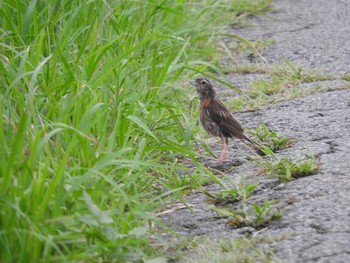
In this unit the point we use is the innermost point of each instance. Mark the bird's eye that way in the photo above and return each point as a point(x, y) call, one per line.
point(204, 82)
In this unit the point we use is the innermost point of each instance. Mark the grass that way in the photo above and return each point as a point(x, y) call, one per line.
point(250, 7)
point(282, 168)
point(238, 46)
point(187, 180)
point(234, 251)
point(282, 83)
point(242, 9)
point(234, 194)
point(240, 192)
point(346, 77)
point(94, 121)
point(252, 215)
point(286, 170)
point(270, 139)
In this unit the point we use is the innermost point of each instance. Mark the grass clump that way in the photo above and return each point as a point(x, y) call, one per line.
point(282, 168)
point(286, 170)
point(252, 215)
point(186, 181)
point(231, 250)
point(270, 139)
point(346, 77)
point(229, 195)
point(250, 7)
point(295, 73)
point(282, 83)
point(93, 120)
point(234, 195)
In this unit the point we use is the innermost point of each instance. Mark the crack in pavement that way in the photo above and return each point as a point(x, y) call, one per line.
point(309, 26)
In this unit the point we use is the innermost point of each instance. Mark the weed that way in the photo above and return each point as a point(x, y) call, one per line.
point(246, 69)
point(270, 139)
point(346, 77)
point(282, 84)
point(251, 215)
point(286, 170)
point(229, 250)
point(262, 213)
point(264, 87)
point(253, 47)
point(185, 181)
point(297, 74)
point(241, 192)
point(250, 7)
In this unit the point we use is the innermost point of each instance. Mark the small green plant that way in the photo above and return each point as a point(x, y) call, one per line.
point(283, 83)
point(263, 87)
point(346, 77)
point(264, 214)
point(245, 249)
point(195, 180)
point(270, 139)
point(297, 74)
point(296, 71)
point(250, 7)
point(248, 68)
point(186, 181)
point(254, 47)
point(286, 170)
point(251, 215)
point(242, 192)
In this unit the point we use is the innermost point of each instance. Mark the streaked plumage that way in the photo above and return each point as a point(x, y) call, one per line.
point(216, 119)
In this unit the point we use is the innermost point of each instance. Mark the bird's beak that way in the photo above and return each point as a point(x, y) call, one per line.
point(194, 83)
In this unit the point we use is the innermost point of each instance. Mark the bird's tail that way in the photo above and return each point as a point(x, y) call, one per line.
point(256, 145)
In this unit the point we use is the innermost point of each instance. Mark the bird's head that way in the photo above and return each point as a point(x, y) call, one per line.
point(204, 88)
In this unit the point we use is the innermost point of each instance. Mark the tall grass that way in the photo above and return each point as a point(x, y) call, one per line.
point(92, 120)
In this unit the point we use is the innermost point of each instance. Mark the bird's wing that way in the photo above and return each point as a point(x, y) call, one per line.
point(229, 126)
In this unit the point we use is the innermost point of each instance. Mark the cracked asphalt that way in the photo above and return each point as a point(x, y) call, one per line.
point(315, 225)
point(313, 33)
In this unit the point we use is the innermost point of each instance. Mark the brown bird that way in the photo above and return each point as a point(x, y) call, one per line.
point(216, 119)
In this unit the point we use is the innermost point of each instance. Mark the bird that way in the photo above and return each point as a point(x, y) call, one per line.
point(216, 119)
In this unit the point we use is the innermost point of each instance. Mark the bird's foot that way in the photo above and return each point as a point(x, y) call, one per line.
point(222, 159)
point(218, 161)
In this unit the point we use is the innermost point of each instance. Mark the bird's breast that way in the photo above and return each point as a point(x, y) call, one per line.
point(205, 102)
point(207, 122)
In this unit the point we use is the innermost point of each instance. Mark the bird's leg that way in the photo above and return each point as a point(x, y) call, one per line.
point(224, 152)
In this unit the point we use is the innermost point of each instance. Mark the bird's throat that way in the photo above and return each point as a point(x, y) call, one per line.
point(205, 101)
